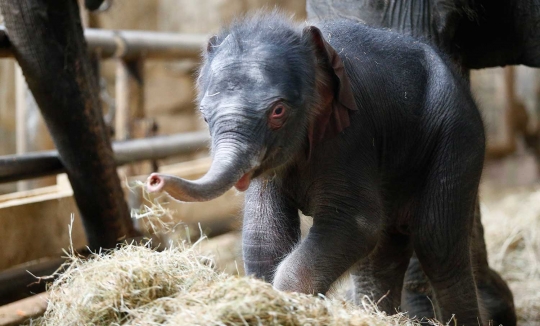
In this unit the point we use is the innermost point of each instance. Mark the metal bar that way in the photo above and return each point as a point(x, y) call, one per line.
point(39, 164)
point(159, 147)
point(132, 44)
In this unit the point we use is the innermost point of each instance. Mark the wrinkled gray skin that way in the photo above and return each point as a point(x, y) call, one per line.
point(476, 34)
point(402, 177)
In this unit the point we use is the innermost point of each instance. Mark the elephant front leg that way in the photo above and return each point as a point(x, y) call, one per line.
point(270, 231)
point(332, 246)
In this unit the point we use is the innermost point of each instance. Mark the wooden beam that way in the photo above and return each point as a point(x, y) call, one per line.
point(32, 165)
point(34, 227)
point(18, 312)
point(21, 91)
point(129, 110)
point(129, 97)
point(20, 281)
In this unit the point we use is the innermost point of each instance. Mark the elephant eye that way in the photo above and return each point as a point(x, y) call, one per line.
point(277, 116)
point(278, 111)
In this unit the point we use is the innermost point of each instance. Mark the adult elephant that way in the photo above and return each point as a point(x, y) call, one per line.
point(46, 38)
point(475, 34)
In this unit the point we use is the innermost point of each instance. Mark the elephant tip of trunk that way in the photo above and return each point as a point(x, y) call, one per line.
point(155, 183)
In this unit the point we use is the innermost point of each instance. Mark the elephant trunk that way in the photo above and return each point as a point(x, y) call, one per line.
point(230, 167)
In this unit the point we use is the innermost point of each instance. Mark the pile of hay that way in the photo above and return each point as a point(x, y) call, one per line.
point(135, 285)
point(511, 220)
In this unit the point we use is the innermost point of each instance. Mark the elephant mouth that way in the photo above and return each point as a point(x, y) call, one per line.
point(244, 182)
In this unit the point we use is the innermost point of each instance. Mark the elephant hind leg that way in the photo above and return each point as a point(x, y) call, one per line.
point(380, 276)
point(495, 298)
point(417, 295)
point(496, 301)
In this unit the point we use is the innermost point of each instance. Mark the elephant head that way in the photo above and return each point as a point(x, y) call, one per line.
point(268, 98)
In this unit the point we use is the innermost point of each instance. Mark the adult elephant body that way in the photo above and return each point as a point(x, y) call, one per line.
point(476, 33)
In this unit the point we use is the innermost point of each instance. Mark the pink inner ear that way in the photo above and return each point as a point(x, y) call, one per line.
point(337, 101)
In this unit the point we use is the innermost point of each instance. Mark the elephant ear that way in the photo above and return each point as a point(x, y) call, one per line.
point(334, 89)
point(212, 42)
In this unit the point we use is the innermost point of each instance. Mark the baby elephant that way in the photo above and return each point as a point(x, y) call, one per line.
point(371, 133)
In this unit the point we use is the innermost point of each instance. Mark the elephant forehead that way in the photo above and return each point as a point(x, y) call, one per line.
point(229, 103)
point(239, 73)
point(255, 79)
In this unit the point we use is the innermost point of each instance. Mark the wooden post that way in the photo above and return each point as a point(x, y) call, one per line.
point(20, 120)
point(130, 116)
point(129, 96)
point(130, 120)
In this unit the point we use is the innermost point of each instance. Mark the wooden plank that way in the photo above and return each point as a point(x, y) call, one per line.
point(21, 131)
point(29, 193)
point(20, 281)
point(18, 312)
point(129, 109)
point(36, 227)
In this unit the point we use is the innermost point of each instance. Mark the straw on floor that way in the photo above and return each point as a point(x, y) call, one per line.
point(135, 285)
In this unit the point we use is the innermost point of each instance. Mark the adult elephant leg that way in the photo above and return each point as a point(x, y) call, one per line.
point(380, 276)
point(48, 43)
point(270, 231)
point(496, 299)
